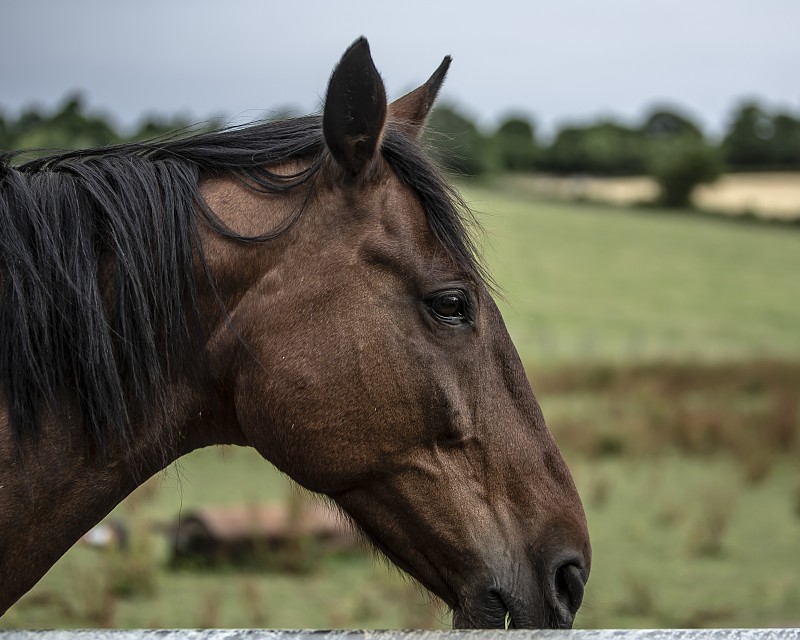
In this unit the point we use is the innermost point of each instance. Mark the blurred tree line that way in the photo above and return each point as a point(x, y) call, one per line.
point(73, 126)
point(666, 144)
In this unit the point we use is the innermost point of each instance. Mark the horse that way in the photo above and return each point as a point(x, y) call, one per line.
point(307, 287)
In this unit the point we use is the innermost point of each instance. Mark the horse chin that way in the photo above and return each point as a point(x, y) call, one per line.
point(506, 612)
point(462, 620)
point(481, 619)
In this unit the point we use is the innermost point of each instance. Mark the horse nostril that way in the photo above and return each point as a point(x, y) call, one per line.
point(569, 585)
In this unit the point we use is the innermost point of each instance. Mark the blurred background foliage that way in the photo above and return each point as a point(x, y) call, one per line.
point(666, 144)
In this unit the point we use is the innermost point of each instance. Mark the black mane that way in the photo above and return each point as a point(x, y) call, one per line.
point(98, 293)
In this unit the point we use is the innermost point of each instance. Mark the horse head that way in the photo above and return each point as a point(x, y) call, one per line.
point(371, 364)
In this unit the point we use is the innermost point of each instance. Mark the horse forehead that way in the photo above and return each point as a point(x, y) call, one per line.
point(390, 228)
point(397, 213)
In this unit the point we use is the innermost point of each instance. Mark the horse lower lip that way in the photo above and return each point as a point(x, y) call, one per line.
point(504, 609)
point(486, 612)
point(509, 611)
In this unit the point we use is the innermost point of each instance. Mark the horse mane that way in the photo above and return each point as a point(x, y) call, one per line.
point(98, 251)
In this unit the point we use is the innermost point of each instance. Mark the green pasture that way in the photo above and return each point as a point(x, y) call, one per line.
point(349, 589)
point(688, 468)
point(677, 542)
point(598, 283)
point(687, 543)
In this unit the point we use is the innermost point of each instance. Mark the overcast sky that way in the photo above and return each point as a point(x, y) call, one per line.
point(562, 60)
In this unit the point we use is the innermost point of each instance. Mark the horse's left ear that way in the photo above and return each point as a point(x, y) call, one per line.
point(410, 111)
point(355, 109)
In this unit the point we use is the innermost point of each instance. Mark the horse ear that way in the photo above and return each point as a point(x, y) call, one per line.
point(410, 111)
point(355, 109)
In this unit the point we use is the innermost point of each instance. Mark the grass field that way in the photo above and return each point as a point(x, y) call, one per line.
point(664, 349)
point(677, 542)
point(83, 589)
point(597, 283)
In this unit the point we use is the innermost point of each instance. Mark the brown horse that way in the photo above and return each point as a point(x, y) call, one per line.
point(307, 288)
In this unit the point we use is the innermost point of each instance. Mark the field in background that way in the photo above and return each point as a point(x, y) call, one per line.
point(608, 284)
point(664, 349)
point(766, 195)
point(678, 542)
point(92, 588)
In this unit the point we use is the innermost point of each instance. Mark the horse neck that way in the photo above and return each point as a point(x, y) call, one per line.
point(61, 485)
point(61, 480)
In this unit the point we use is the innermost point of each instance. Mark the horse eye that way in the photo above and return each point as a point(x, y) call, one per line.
point(450, 306)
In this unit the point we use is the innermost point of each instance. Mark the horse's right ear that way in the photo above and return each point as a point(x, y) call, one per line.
point(410, 111)
point(355, 109)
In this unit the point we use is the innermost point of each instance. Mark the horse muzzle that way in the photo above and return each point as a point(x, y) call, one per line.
point(501, 601)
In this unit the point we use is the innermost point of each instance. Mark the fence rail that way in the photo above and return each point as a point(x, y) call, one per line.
point(264, 634)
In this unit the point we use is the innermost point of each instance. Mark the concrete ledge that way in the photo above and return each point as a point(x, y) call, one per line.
point(266, 634)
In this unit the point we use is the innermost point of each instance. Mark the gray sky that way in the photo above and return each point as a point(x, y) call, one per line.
point(562, 60)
